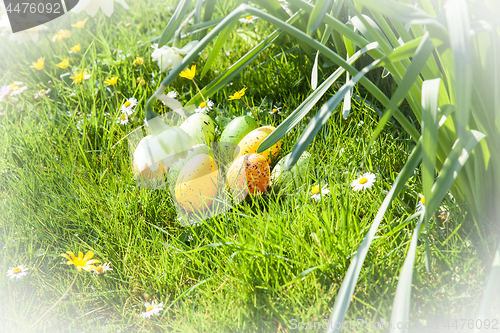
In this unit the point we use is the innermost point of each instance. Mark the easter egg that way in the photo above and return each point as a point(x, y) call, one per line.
point(297, 174)
point(252, 140)
point(237, 129)
point(249, 173)
point(197, 184)
point(200, 127)
point(177, 167)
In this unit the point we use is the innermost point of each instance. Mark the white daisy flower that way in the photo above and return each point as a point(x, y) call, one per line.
point(172, 94)
point(365, 181)
point(42, 92)
point(152, 309)
point(16, 88)
point(169, 57)
point(361, 123)
point(128, 107)
point(100, 270)
point(317, 192)
point(203, 107)
point(248, 19)
point(275, 110)
point(421, 202)
point(123, 120)
point(17, 272)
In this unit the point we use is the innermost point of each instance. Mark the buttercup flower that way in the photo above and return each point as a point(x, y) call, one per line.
point(92, 6)
point(188, 73)
point(63, 64)
point(170, 57)
point(39, 64)
point(123, 120)
point(16, 88)
point(138, 61)
point(317, 192)
point(152, 309)
point(81, 262)
point(79, 77)
point(75, 48)
point(100, 270)
point(17, 272)
point(172, 94)
point(128, 107)
point(42, 92)
point(80, 24)
point(365, 181)
point(238, 94)
point(204, 106)
point(112, 81)
point(141, 80)
point(62, 34)
point(248, 19)
point(421, 202)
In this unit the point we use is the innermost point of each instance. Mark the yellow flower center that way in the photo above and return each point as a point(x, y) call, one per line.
point(363, 180)
point(127, 104)
point(249, 17)
point(124, 117)
point(14, 86)
point(315, 190)
point(275, 110)
point(99, 269)
point(422, 200)
point(42, 91)
point(150, 308)
point(16, 270)
point(203, 104)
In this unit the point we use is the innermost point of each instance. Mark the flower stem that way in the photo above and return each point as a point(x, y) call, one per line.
point(251, 110)
point(55, 304)
point(204, 100)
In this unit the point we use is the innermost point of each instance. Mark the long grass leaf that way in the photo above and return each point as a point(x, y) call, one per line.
point(174, 22)
point(317, 15)
point(346, 291)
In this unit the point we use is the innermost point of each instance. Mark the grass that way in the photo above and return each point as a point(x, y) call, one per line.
point(66, 184)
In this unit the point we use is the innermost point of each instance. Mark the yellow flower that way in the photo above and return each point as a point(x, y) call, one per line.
point(81, 262)
point(138, 61)
point(76, 48)
point(80, 24)
point(141, 80)
point(80, 76)
point(61, 35)
point(189, 73)
point(112, 81)
point(63, 64)
point(238, 94)
point(39, 64)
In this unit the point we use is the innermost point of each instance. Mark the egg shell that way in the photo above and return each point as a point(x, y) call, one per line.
point(197, 184)
point(249, 173)
point(251, 141)
point(297, 174)
point(237, 129)
point(200, 127)
point(177, 167)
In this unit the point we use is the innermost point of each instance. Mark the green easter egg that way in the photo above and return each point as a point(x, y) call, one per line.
point(237, 129)
point(296, 175)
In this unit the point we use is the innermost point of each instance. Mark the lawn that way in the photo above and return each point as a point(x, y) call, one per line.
point(67, 184)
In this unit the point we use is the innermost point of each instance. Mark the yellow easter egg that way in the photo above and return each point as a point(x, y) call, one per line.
point(197, 184)
point(251, 141)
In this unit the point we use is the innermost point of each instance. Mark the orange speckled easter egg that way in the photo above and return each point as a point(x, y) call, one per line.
point(249, 173)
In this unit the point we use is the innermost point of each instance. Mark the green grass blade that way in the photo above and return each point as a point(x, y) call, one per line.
point(322, 116)
point(346, 291)
point(401, 304)
point(174, 22)
point(457, 17)
point(421, 55)
point(296, 116)
point(219, 43)
point(316, 17)
point(430, 98)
